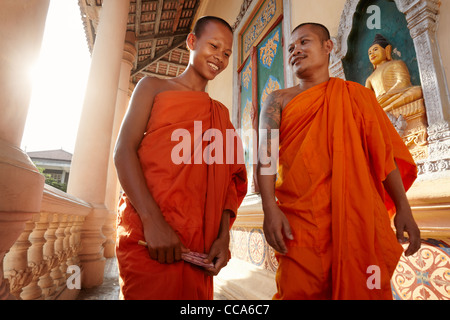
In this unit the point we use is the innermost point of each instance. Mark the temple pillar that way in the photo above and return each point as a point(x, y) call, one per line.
point(22, 25)
point(113, 185)
point(422, 17)
point(89, 171)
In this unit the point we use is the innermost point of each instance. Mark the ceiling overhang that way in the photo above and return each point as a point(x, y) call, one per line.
point(160, 28)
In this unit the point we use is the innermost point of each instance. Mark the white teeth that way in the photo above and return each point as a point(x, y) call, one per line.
point(213, 66)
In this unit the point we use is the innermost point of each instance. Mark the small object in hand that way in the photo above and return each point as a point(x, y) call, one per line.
point(142, 243)
point(191, 257)
point(197, 259)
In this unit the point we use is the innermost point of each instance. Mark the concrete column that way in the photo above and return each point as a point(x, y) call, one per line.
point(22, 25)
point(89, 169)
point(122, 101)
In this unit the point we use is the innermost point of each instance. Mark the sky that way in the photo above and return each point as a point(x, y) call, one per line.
point(59, 81)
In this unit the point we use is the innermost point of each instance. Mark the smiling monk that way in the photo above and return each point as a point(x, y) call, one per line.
point(343, 170)
point(177, 207)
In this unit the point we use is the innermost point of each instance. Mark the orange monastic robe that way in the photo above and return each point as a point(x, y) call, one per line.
point(191, 195)
point(337, 146)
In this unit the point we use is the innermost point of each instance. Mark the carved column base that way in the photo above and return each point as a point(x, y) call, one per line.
point(415, 134)
point(437, 165)
point(439, 141)
point(109, 230)
point(92, 252)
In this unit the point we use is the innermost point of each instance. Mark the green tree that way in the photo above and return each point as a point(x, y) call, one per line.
point(52, 182)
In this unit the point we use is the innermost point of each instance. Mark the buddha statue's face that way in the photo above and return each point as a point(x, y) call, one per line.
point(377, 55)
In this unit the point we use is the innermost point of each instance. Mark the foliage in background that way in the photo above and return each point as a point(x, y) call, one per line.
point(52, 182)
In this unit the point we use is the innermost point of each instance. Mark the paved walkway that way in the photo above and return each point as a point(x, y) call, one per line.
point(109, 290)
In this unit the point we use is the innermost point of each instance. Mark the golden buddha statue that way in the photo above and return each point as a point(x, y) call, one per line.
point(390, 79)
point(403, 102)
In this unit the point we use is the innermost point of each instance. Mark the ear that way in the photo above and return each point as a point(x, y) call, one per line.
point(388, 52)
point(190, 41)
point(329, 45)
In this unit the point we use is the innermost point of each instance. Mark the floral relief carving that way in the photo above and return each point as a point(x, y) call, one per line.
point(247, 76)
point(269, 51)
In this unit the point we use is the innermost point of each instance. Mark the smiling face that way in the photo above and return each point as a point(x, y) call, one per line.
point(211, 51)
point(308, 51)
point(377, 55)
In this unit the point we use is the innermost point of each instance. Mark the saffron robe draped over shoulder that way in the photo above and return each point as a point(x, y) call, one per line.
point(337, 146)
point(192, 195)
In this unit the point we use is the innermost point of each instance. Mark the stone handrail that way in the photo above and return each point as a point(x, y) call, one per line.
point(37, 265)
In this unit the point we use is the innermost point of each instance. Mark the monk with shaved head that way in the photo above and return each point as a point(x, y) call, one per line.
point(178, 205)
point(343, 172)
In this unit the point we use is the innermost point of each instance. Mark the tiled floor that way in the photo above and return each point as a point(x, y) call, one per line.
point(425, 275)
point(109, 290)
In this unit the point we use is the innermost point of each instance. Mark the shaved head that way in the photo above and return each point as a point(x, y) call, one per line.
point(202, 23)
point(318, 28)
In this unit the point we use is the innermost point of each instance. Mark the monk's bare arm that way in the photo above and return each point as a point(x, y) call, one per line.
point(125, 154)
point(163, 243)
point(269, 127)
point(276, 225)
point(403, 220)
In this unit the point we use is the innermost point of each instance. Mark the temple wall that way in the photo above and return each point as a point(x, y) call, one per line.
point(313, 11)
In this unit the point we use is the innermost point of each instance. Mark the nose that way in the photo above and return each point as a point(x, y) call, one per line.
point(218, 57)
point(297, 49)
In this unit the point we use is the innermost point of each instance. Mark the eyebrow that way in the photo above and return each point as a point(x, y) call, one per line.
point(215, 39)
point(299, 39)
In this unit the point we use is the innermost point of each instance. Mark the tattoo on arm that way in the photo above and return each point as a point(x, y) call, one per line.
point(271, 112)
point(269, 129)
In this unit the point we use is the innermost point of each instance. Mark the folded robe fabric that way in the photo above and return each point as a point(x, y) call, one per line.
point(337, 146)
point(191, 191)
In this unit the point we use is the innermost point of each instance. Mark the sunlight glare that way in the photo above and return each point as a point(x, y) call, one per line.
point(59, 81)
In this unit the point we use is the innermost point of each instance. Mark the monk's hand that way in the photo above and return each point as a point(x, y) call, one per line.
point(163, 243)
point(219, 255)
point(276, 227)
point(404, 222)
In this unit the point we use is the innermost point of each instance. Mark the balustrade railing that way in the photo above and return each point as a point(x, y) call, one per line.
point(44, 261)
